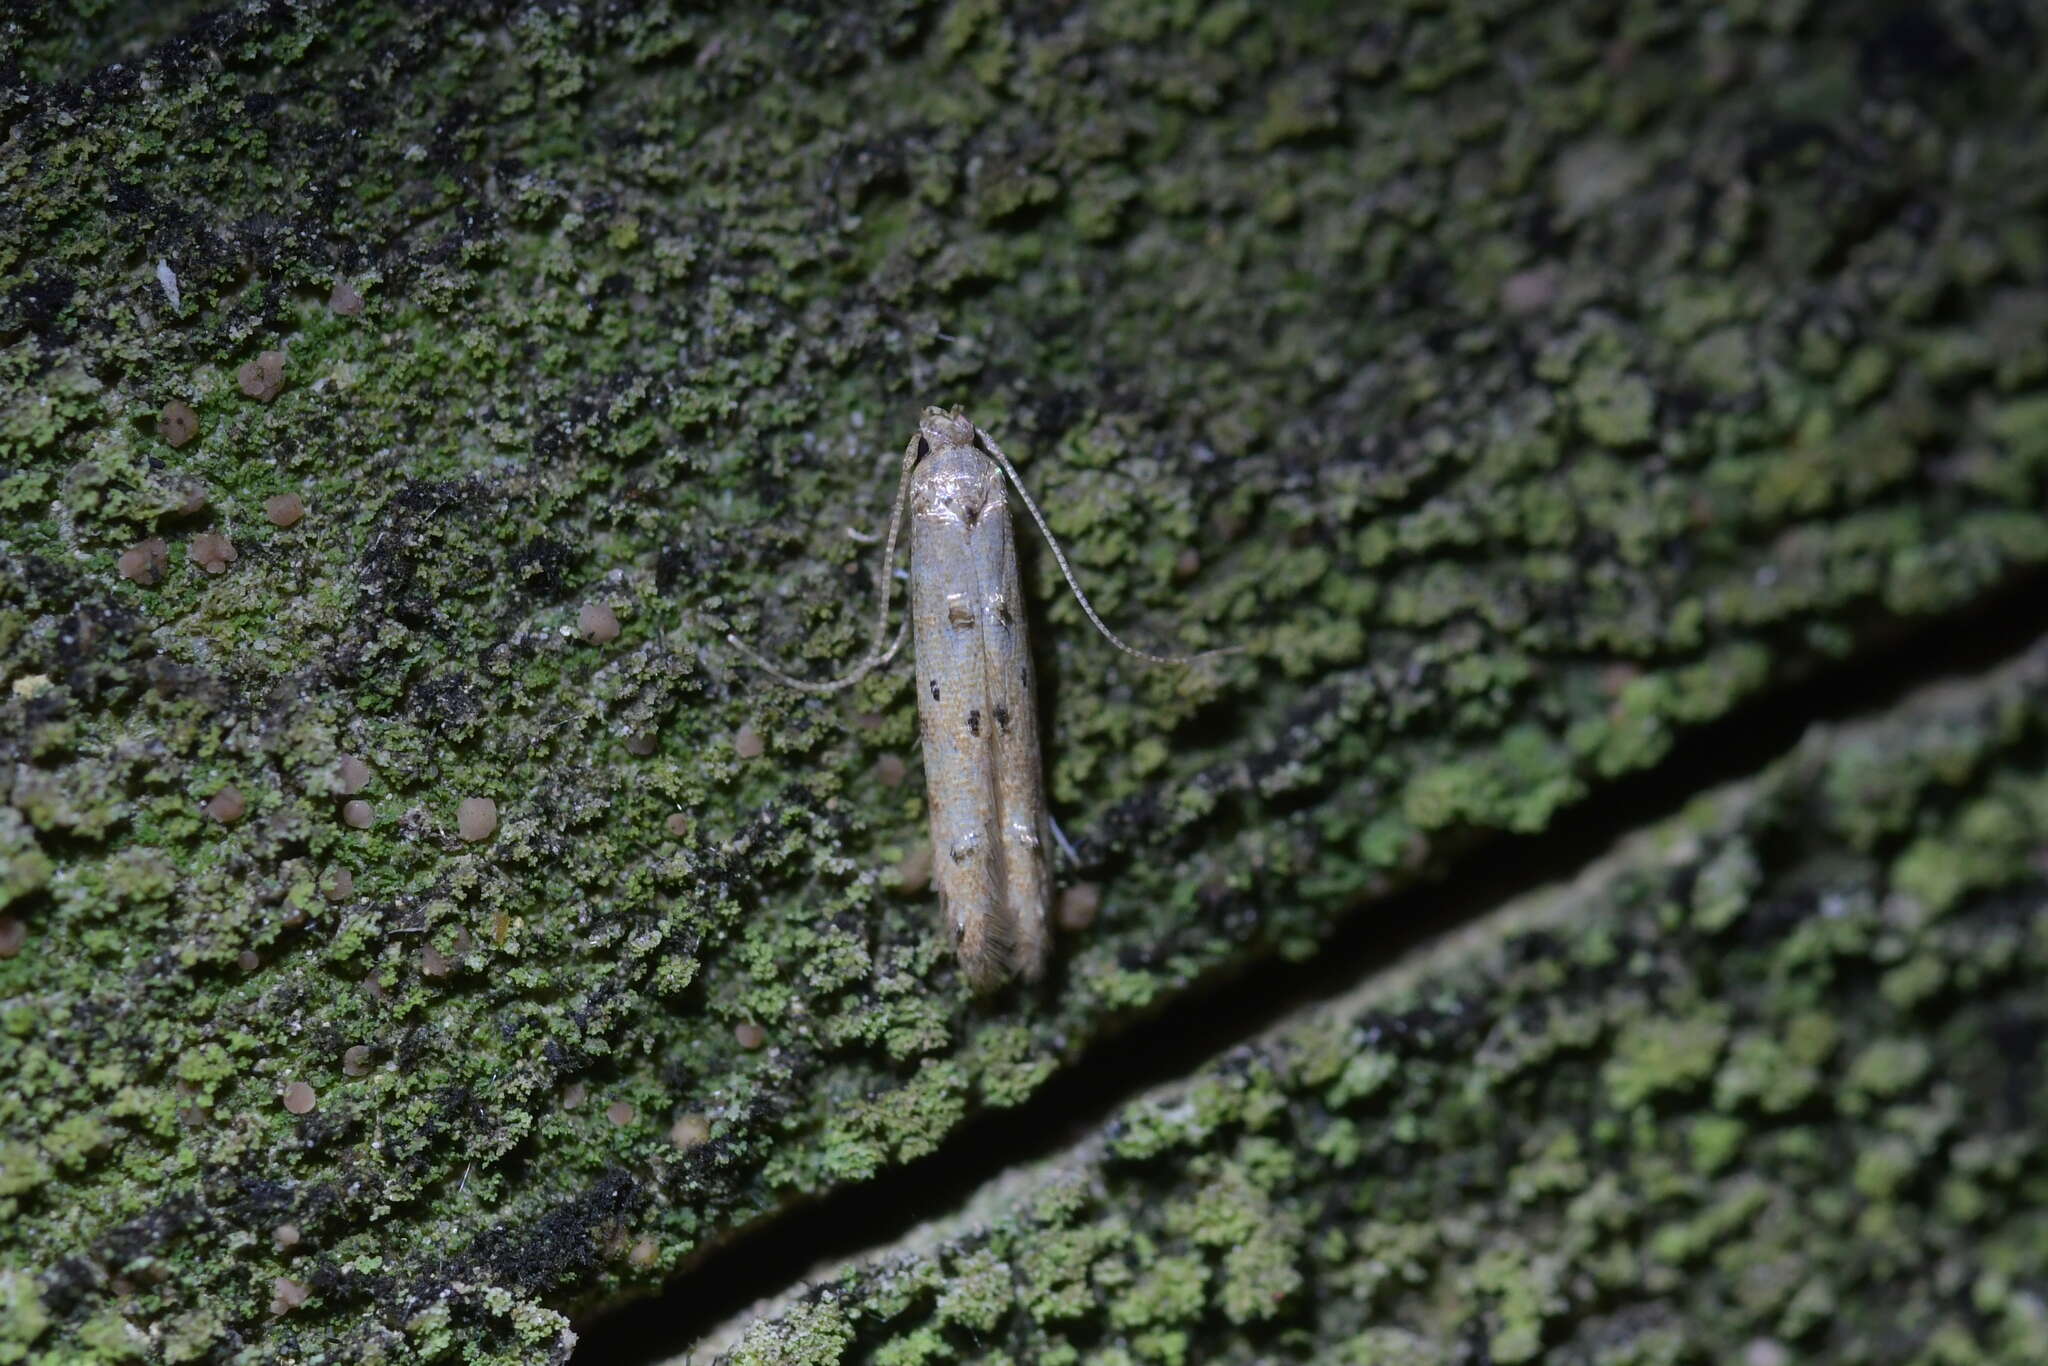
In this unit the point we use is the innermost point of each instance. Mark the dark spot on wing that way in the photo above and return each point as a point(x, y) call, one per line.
point(1003, 610)
point(1024, 677)
point(974, 720)
point(935, 690)
point(1003, 717)
point(924, 448)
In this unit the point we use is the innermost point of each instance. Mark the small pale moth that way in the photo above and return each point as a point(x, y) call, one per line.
point(976, 704)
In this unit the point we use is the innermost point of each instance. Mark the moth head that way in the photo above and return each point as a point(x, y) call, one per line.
point(939, 429)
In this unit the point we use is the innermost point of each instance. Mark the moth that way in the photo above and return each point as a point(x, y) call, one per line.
point(976, 701)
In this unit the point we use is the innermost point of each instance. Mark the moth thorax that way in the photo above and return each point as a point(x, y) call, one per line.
point(959, 484)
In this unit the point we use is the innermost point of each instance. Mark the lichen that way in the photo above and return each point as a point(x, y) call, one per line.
point(1789, 1175)
point(1520, 417)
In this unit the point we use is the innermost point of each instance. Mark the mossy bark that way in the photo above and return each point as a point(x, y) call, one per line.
point(1525, 385)
point(1764, 1085)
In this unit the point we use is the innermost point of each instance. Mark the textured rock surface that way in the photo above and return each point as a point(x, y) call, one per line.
point(1766, 1086)
point(1525, 385)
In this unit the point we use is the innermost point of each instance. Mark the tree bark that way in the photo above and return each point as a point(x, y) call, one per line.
point(419, 925)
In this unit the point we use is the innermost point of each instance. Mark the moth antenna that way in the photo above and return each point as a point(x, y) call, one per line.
point(1067, 570)
point(876, 656)
point(1060, 838)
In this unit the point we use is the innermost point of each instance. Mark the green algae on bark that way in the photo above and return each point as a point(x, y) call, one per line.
point(1754, 1087)
point(1525, 386)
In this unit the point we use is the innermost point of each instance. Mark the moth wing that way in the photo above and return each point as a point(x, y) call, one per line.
point(952, 697)
point(1010, 722)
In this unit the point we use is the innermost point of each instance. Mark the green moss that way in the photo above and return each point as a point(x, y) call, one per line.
point(977, 1294)
point(1668, 1054)
point(1724, 888)
point(1856, 1163)
point(1615, 410)
point(812, 1336)
point(1517, 420)
point(22, 1316)
point(1716, 1142)
point(1888, 1067)
point(1171, 1290)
